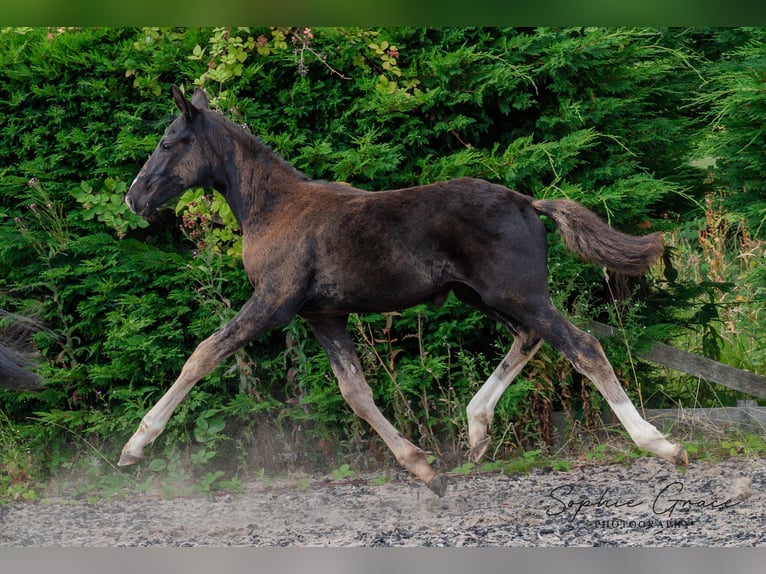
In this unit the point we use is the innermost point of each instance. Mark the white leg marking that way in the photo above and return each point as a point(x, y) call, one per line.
point(336, 340)
point(481, 409)
point(154, 422)
point(643, 433)
point(197, 366)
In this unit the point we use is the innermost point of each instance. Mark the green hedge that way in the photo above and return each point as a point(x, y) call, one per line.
point(609, 117)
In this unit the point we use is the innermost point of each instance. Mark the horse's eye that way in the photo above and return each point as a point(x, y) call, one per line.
point(166, 146)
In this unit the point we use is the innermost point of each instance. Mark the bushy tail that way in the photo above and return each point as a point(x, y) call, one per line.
point(16, 362)
point(587, 235)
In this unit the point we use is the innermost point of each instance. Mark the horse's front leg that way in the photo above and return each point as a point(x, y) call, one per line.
point(334, 337)
point(248, 324)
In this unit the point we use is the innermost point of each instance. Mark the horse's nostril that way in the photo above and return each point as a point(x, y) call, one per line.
point(129, 201)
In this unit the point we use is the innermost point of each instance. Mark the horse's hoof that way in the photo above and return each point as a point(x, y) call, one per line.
point(680, 457)
point(438, 484)
point(478, 450)
point(126, 459)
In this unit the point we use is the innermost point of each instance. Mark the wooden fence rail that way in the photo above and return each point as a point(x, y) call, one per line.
point(745, 417)
point(694, 365)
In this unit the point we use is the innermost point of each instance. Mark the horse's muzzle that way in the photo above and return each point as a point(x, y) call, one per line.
point(129, 201)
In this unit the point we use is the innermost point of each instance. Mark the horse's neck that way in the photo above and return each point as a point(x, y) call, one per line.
point(258, 180)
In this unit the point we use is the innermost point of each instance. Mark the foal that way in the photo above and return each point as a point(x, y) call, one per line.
point(324, 250)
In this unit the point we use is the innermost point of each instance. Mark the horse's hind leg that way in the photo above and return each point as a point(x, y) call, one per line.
point(481, 409)
point(334, 337)
point(586, 355)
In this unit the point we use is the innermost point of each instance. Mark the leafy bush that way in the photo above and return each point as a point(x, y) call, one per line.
point(733, 140)
point(604, 116)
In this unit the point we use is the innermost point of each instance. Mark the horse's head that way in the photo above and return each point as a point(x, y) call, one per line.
point(177, 163)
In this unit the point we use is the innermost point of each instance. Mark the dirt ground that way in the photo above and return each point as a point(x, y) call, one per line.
point(644, 503)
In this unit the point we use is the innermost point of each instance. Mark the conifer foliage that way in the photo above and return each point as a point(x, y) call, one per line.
point(612, 118)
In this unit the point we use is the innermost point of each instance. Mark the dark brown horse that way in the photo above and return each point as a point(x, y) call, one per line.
point(323, 250)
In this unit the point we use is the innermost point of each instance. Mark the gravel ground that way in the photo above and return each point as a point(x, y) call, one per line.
point(645, 503)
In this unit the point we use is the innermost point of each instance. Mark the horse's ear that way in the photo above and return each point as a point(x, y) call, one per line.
point(186, 107)
point(199, 99)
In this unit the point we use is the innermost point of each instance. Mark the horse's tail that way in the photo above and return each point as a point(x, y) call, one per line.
point(16, 362)
point(587, 235)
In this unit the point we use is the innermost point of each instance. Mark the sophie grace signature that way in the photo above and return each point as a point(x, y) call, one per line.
point(566, 501)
